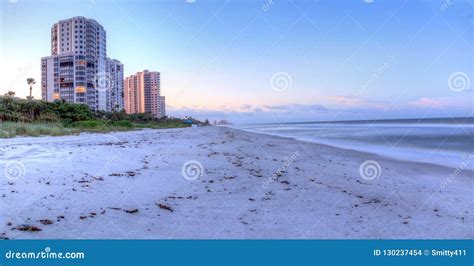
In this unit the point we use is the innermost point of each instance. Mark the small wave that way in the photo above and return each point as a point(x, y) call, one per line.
point(442, 144)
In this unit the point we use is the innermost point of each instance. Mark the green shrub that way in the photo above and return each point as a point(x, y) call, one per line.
point(123, 123)
point(36, 117)
point(89, 124)
point(11, 129)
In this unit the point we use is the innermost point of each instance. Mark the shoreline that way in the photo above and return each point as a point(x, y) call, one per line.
point(367, 153)
point(130, 185)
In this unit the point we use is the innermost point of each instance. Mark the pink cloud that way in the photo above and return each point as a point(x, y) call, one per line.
point(429, 102)
point(357, 102)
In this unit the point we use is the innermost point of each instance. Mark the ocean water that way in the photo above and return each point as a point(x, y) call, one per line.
point(447, 142)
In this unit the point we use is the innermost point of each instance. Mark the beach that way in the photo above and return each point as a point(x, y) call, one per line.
point(132, 185)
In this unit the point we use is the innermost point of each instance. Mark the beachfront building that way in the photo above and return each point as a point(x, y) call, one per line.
point(142, 94)
point(78, 70)
point(161, 106)
point(115, 100)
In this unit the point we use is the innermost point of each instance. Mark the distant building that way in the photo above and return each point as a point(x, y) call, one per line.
point(221, 122)
point(115, 93)
point(142, 94)
point(162, 106)
point(78, 69)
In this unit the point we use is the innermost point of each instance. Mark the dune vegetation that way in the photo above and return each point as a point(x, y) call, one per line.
point(28, 117)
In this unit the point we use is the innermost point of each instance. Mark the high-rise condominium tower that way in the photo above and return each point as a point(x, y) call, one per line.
point(78, 69)
point(114, 70)
point(142, 93)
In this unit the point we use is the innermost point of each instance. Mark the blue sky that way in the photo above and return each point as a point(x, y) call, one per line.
point(271, 60)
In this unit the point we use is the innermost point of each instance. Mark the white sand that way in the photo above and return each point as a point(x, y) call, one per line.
point(319, 195)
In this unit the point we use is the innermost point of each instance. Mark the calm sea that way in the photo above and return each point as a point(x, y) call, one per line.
point(448, 142)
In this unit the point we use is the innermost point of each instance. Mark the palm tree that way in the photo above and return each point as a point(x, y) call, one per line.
point(31, 82)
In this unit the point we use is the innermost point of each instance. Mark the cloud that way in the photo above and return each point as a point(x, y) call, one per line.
point(357, 102)
point(250, 113)
point(427, 102)
point(295, 108)
point(459, 102)
point(343, 108)
point(246, 107)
